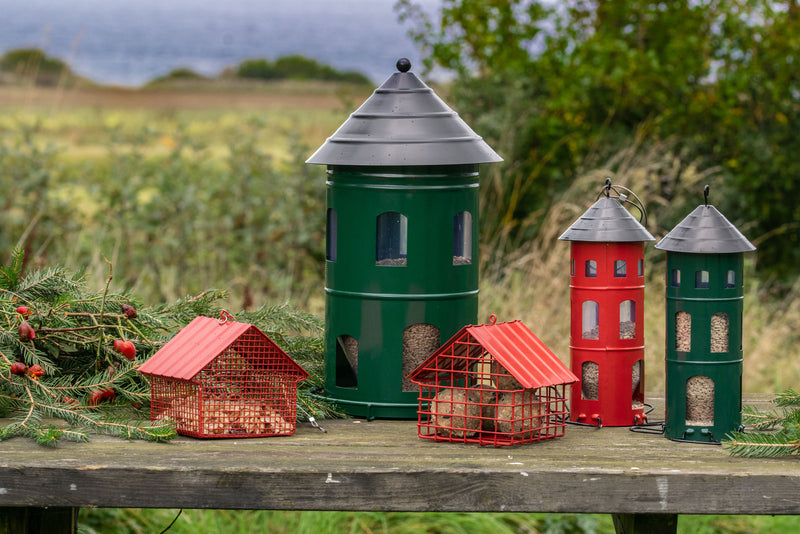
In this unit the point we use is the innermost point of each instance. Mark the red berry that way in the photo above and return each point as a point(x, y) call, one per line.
point(35, 371)
point(117, 344)
point(127, 349)
point(24, 311)
point(96, 397)
point(129, 311)
point(99, 395)
point(18, 368)
point(26, 332)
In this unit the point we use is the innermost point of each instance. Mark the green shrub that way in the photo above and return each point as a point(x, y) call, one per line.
point(33, 63)
point(296, 67)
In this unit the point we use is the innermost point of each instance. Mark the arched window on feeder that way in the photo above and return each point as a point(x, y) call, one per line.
point(462, 238)
point(391, 244)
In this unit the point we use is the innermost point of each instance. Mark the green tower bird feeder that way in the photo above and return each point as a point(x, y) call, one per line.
point(402, 242)
point(704, 295)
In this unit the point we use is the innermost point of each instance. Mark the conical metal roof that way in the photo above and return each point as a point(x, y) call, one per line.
point(607, 221)
point(705, 231)
point(404, 123)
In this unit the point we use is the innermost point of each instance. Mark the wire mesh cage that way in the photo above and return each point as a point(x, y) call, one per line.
point(467, 395)
point(249, 389)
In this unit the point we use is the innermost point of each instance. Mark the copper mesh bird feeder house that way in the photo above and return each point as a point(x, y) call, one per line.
point(218, 378)
point(704, 300)
point(494, 384)
point(607, 312)
point(401, 270)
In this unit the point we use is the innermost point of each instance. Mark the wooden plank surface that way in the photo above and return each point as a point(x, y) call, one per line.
point(383, 465)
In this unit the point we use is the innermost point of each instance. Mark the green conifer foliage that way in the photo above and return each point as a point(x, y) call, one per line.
point(61, 376)
point(775, 433)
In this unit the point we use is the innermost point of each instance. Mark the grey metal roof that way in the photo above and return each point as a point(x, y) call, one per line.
point(404, 123)
point(705, 231)
point(607, 221)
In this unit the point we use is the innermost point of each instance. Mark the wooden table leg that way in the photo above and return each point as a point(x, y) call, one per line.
point(645, 523)
point(52, 520)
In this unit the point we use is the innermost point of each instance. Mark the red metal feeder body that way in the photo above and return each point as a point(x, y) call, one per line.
point(607, 315)
point(224, 379)
point(494, 384)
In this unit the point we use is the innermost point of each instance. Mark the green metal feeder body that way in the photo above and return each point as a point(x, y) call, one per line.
point(704, 298)
point(402, 242)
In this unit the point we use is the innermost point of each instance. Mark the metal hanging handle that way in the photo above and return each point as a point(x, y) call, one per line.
point(224, 317)
point(622, 193)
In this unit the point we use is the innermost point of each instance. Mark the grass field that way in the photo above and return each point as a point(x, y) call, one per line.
point(186, 188)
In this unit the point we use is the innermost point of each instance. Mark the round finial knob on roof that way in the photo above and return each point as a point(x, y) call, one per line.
point(403, 64)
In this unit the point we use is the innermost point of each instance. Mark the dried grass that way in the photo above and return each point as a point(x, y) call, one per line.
point(531, 283)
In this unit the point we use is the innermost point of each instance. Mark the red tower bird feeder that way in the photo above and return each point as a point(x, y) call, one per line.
point(494, 384)
point(218, 378)
point(607, 319)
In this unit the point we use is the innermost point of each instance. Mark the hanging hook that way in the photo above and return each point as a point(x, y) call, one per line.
point(492, 319)
point(705, 194)
point(224, 317)
point(622, 193)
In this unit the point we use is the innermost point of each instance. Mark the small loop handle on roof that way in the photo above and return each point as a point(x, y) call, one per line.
point(224, 317)
point(492, 319)
point(705, 194)
point(622, 193)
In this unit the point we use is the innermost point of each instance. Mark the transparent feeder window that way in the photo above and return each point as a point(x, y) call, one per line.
point(330, 243)
point(591, 269)
point(683, 331)
point(620, 269)
point(590, 381)
point(346, 361)
point(462, 238)
point(700, 401)
point(675, 278)
point(719, 332)
point(627, 319)
point(640, 268)
point(419, 342)
point(636, 377)
point(730, 279)
point(591, 320)
point(391, 244)
point(572, 267)
point(701, 279)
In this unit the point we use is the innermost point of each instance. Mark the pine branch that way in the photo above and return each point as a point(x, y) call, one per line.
point(72, 374)
point(761, 445)
point(787, 398)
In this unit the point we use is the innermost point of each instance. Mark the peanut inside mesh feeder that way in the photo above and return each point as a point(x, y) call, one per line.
point(494, 384)
point(218, 378)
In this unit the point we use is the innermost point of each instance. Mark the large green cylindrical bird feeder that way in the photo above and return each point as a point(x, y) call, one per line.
point(402, 242)
point(704, 295)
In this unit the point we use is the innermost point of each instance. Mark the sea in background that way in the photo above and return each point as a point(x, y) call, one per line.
point(130, 42)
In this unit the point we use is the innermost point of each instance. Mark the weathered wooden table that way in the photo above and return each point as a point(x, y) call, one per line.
point(644, 480)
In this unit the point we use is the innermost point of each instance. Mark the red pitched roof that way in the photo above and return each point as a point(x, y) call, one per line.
point(517, 349)
point(198, 343)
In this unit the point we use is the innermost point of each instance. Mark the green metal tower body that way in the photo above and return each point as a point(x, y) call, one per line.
point(398, 308)
point(402, 243)
point(704, 301)
point(704, 345)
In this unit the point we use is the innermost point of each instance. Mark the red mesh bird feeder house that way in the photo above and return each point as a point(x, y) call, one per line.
point(607, 318)
point(494, 384)
point(218, 378)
